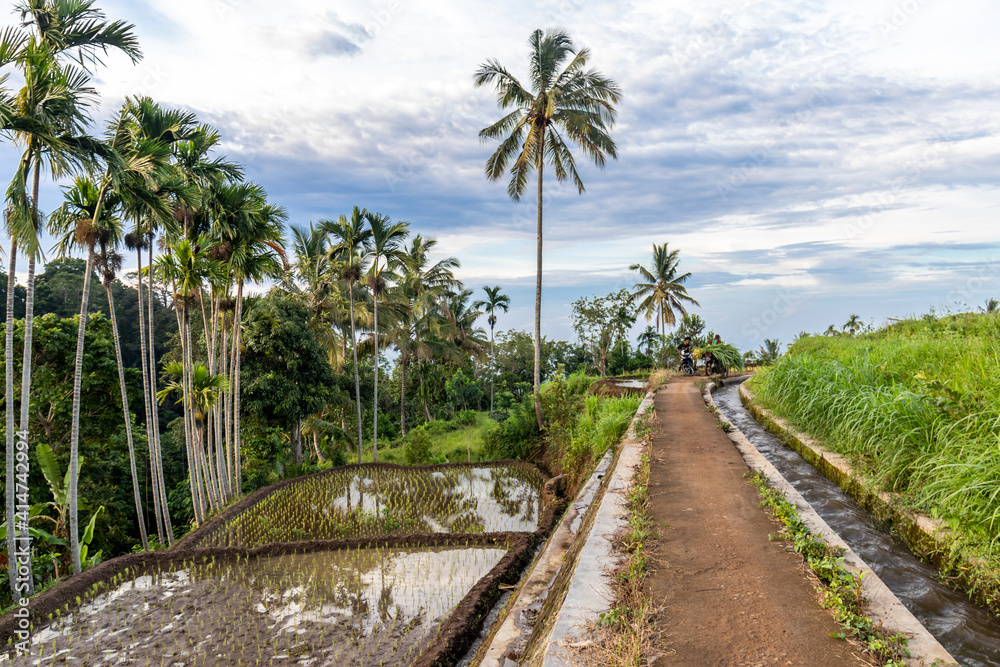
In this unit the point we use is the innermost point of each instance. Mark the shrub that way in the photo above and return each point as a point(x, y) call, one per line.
point(417, 447)
point(512, 439)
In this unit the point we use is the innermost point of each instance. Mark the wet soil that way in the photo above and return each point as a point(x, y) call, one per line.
point(727, 595)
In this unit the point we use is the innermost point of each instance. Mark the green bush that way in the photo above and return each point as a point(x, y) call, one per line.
point(417, 447)
point(512, 438)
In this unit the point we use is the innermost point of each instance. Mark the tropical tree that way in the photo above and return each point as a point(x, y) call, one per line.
point(661, 291)
point(149, 205)
point(129, 164)
point(493, 302)
point(186, 268)
point(852, 324)
point(572, 101)
point(350, 250)
point(769, 351)
point(387, 254)
point(48, 119)
point(647, 339)
point(419, 324)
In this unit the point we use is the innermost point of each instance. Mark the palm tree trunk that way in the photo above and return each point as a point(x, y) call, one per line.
point(238, 341)
point(74, 446)
point(194, 476)
point(538, 290)
point(357, 380)
point(402, 394)
point(319, 455)
point(375, 406)
point(161, 482)
point(493, 367)
point(128, 420)
point(29, 309)
point(9, 389)
point(150, 442)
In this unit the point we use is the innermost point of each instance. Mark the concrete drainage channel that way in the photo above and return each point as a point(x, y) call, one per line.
point(883, 606)
point(569, 586)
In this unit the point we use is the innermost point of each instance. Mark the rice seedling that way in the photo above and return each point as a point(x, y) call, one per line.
point(351, 607)
point(372, 501)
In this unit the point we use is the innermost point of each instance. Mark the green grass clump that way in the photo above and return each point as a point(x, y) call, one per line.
point(915, 405)
point(842, 591)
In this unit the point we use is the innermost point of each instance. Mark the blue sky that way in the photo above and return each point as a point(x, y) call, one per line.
point(810, 159)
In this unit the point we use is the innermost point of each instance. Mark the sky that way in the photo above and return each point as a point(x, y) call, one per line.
point(810, 160)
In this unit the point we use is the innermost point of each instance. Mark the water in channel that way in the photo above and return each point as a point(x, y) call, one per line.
point(964, 629)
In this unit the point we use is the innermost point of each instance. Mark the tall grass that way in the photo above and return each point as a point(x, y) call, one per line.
point(916, 405)
point(601, 424)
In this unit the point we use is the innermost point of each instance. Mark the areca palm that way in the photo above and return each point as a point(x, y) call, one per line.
point(387, 254)
point(561, 103)
point(350, 249)
point(129, 162)
point(48, 123)
point(422, 287)
point(249, 231)
point(661, 291)
point(493, 302)
point(186, 268)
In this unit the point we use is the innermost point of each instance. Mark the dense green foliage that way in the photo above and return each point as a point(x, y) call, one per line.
point(916, 405)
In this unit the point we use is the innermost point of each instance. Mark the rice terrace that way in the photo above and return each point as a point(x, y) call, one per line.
point(740, 409)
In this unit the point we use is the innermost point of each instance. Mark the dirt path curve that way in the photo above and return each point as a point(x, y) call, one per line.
point(728, 595)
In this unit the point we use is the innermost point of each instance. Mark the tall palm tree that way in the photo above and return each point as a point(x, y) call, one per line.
point(387, 254)
point(570, 100)
point(647, 339)
point(47, 118)
point(52, 111)
point(128, 161)
point(661, 290)
point(853, 324)
point(149, 208)
point(77, 213)
point(422, 289)
point(350, 249)
point(493, 302)
point(186, 268)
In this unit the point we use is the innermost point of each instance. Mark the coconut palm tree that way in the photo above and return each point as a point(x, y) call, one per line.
point(493, 302)
point(662, 291)
point(852, 324)
point(387, 254)
point(351, 247)
point(571, 101)
point(647, 339)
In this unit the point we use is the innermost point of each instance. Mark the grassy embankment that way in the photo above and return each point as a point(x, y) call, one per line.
point(916, 408)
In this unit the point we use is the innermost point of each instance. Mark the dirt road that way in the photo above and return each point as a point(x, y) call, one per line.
point(728, 595)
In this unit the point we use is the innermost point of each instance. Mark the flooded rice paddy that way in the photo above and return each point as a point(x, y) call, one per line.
point(346, 607)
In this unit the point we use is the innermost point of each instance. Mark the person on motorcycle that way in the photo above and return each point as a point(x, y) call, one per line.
point(684, 348)
point(710, 361)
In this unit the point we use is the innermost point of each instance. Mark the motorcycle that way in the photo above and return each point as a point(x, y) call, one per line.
point(715, 367)
point(687, 363)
